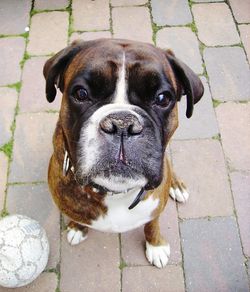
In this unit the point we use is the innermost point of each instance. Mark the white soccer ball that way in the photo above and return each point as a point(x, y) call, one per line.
point(24, 250)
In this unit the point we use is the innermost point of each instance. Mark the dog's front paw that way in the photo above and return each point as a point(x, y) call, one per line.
point(158, 255)
point(179, 194)
point(75, 236)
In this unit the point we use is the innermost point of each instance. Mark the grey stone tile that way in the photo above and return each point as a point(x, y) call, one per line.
point(94, 264)
point(171, 12)
point(245, 36)
point(14, 16)
point(138, 18)
point(221, 29)
point(203, 123)
point(241, 10)
point(248, 270)
point(11, 52)
point(213, 259)
point(48, 33)
point(233, 119)
point(151, 279)
point(87, 36)
point(133, 242)
point(46, 282)
point(241, 192)
point(93, 15)
point(50, 4)
point(32, 147)
point(8, 100)
point(35, 201)
point(32, 96)
point(228, 73)
point(200, 164)
point(184, 44)
point(127, 2)
point(3, 177)
point(201, 1)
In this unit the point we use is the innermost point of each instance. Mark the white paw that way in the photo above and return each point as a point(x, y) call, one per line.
point(75, 236)
point(178, 195)
point(158, 255)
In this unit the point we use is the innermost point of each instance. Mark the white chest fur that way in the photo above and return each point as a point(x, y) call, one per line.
point(119, 218)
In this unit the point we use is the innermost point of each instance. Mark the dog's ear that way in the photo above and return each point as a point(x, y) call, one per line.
point(190, 83)
point(55, 67)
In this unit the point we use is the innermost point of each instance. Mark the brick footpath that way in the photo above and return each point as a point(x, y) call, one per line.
point(210, 235)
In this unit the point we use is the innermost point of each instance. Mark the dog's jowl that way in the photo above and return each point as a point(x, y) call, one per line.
point(109, 169)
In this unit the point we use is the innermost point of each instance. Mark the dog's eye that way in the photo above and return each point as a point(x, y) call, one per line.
point(81, 94)
point(164, 99)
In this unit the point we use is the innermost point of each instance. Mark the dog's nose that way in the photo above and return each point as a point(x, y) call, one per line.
point(121, 123)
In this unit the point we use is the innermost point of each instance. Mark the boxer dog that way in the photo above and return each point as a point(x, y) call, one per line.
point(109, 169)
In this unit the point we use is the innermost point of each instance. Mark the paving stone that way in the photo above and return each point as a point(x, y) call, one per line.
point(50, 4)
point(94, 263)
point(128, 2)
point(8, 100)
point(241, 191)
point(11, 52)
point(241, 10)
point(228, 72)
point(184, 44)
point(32, 96)
point(3, 177)
point(221, 29)
point(36, 202)
point(87, 36)
point(14, 16)
point(200, 164)
point(32, 147)
point(213, 259)
point(151, 279)
point(233, 120)
point(93, 15)
point(203, 123)
point(133, 242)
point(245, 36)
point(46, 282)
point(171, 12)
point(248, 269)
point(201, 1)
point(48, 33)
point(138, 19)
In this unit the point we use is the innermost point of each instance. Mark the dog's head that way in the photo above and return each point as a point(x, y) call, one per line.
point(119, 108)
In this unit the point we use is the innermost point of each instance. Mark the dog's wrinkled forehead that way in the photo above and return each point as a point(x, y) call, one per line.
point(104, 61)
point(144, 68)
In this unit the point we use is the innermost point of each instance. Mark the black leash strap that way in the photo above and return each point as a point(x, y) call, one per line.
point(138, 198)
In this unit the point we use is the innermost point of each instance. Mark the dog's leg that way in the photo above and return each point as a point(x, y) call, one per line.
point(178, 190)
point(76, 233)
point(157, 249)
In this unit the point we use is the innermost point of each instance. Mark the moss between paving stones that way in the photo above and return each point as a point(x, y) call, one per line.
point(216, 102)
point(123, 264)
point(26, 57)
point(17, 86)
point(70, 27)
point(7, 148)
point(193, 27)
point(4, 213)
point(110, 19)
point(217, 137)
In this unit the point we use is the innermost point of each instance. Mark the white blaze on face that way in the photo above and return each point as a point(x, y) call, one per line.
point(121, 85)
point(90, 145)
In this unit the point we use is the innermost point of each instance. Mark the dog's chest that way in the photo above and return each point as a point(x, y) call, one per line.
point(119, 218)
